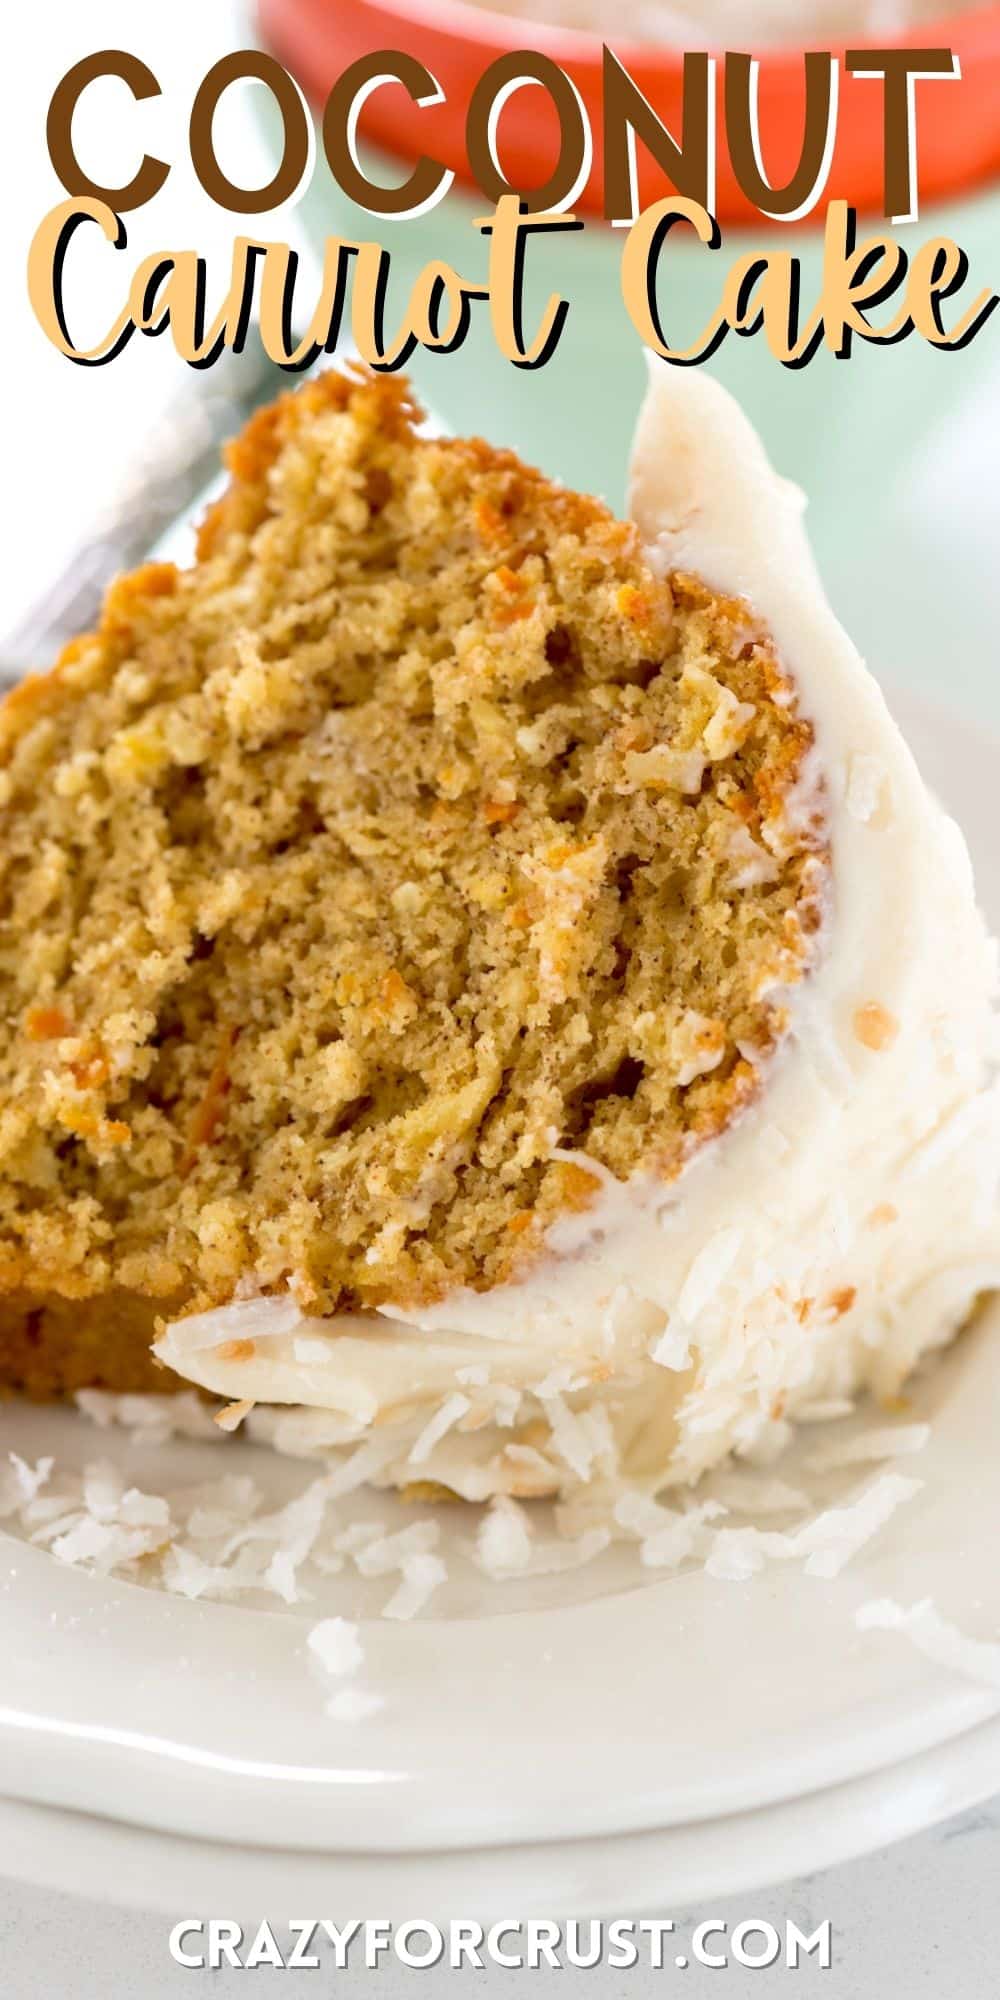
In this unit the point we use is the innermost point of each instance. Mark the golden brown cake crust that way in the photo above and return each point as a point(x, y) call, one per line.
point(416, 836)
point(52, 1347)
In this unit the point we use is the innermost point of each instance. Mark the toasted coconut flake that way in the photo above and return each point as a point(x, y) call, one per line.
point(875, 1027)
point(231, 1416)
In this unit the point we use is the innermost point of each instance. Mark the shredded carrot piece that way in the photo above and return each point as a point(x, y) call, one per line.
point(632, 604)
point(520, 605)
point(47, 1024)
point(84, 1125)
point(89, 1071)
point(578, 1186)
point(490, 524)
point(500, 812)
point(509, 614)
point(842, 1301)
point(394, 987)
point(207, 1114)
point(91, 1067)
point(521, 1221)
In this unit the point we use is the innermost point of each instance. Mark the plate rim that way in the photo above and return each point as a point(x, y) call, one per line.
point(140, 1867)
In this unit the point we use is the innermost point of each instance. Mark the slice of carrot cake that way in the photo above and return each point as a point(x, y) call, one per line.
point(482, 970)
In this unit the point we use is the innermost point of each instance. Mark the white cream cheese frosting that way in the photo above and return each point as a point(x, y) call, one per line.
point(843, 1227)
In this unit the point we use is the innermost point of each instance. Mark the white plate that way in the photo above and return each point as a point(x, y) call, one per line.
point(665, 1871)
point(598, 1707)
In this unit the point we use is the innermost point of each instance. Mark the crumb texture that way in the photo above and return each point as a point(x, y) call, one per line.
point(416, 833)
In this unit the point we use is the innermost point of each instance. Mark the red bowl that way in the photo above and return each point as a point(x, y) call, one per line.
point(958, 125)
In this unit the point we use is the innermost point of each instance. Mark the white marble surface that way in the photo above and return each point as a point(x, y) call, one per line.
point(913, 1922)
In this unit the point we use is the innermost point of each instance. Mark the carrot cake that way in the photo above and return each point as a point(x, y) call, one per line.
point(483, 974)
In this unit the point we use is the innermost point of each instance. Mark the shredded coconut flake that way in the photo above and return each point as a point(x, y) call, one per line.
point(231, 1417)
point(503, 1544)
point(936, 1637)
point(677, 1538)
point(336, 1645)
point(222, 1539)
point(451, 1409)
point(570, 1436)
point(422, 1576)
point(744, 1492)
point(707, 1273)
point(827, 1541)
point(391, 1552)
point(673, 1349)
point(152, 1418)
point(834, 1537)
point(20, 1482)
point(242, 1319)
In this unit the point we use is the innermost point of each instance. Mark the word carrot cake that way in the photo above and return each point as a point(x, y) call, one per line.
point(483, 974)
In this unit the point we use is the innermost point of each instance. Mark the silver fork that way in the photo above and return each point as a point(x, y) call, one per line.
point(178, 465)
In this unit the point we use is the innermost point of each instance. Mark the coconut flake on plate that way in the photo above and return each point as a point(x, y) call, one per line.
point(504, 1539)
point(20, 1483)
point(97, 1520)
point(554, 1556)
point(152, 1418)
point(828, 1540)
point(836, 1535)
point(335, 1644)
point(936, 1637)
point(744, 1491)
point(385, 1553)
point(422, 1576)
point(679, 1538)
